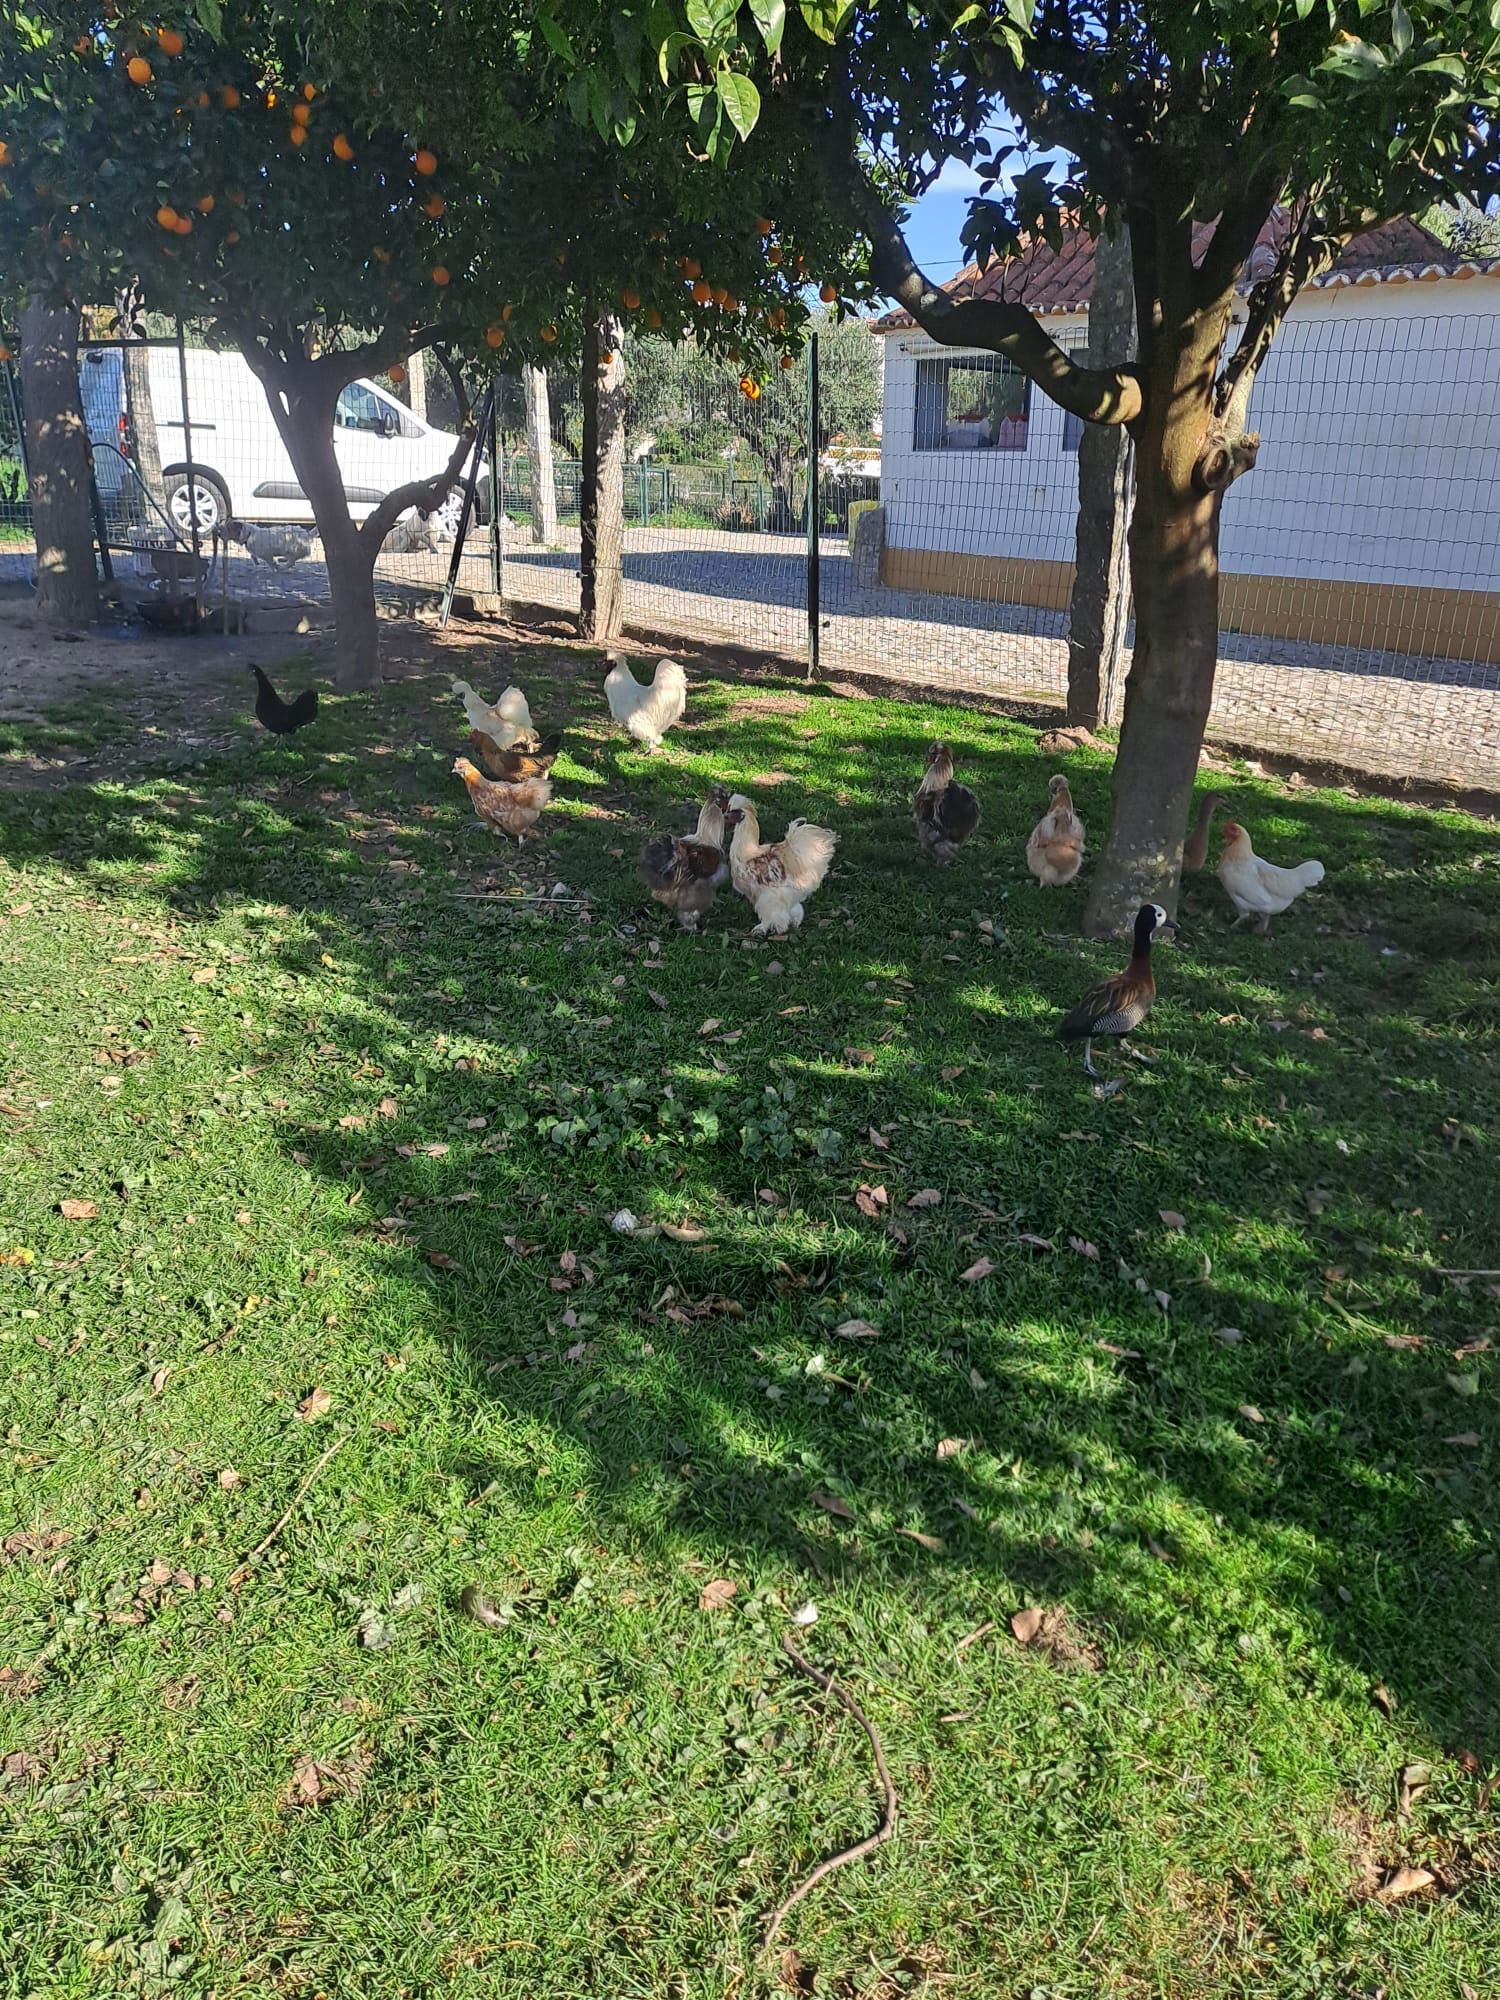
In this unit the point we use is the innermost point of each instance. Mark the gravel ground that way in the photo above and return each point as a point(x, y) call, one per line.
point(1392, 715)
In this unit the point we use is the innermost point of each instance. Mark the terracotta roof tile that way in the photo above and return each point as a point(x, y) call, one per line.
point(1055, 281)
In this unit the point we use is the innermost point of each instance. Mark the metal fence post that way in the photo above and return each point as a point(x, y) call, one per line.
point(813, 578)
point(497, 484)
point(187, 452)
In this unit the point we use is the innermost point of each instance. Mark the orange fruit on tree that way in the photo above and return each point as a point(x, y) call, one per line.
point(425, 162)
point(298, 135)
point(4, 154)
point(606, 358)
point(166, 216)
point(342, 150)
point(440, 274)
point(434, 206)
point(82, 46)
point(233, 236)
point(270, 100)
point(379, 252)
point(4, 352)
point(203, 100)
point(549, 334)
point(763, 225)
point(690, 267)
point(309, 91)
point(828, 293)
point(630, 298)
point(718, 293)
point(701, 292)
point(773, 253)
point(183, 226)
point(396, 372)
point(750, 388)
point(205, 204)
point(730, 303)
point(169, 41)
point(786, 360)
point(653, 319)
point(300, 114)
point(138, 70)
point(507, 313)
point(494, 336)
point(229, 97)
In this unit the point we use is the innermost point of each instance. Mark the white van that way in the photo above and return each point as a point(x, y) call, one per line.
point(241, 470)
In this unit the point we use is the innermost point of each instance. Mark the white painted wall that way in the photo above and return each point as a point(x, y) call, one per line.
point(1379, 414)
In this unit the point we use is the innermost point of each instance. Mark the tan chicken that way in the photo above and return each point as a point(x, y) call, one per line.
point(528, 757)
point(506, 808)
point(946, 813)
point(1257, 888)
point(684, 874)
point(777, 877)
point(1195, 847)
point(1054, 853)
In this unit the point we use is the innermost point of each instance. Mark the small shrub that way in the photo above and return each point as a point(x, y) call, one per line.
point(856, 508)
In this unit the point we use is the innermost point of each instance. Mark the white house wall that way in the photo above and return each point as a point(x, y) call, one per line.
point(1379, 414)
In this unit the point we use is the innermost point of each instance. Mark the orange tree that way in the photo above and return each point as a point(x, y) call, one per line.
point(1199, 122)
point(254, 170)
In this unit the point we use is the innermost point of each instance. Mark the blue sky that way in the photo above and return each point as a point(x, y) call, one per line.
point(932, 231)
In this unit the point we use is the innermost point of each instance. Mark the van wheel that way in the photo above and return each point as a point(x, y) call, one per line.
point(210, 500)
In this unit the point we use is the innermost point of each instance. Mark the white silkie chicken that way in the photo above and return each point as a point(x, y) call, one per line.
point(504, 722)
point(647, 713)
point(776, 879)
point(1259, 888)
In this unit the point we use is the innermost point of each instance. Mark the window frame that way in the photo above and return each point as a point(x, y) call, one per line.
point(972, 364)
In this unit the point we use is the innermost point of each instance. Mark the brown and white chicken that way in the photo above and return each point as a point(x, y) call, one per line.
point(513, 804)
point(776, 877)
point(1054, 853)
point(683, 874)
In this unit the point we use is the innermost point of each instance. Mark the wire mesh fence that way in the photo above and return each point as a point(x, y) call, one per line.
point(915, 518)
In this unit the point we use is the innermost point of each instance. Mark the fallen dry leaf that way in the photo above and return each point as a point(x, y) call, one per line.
point(870, 1200)
point(684, 1232)
point(713, 1596)
point(878, 1140)
point(925, 1198)
point(1123, 1353)
point(857, 1329)
point(831, 1504)
point(441, 1261)
point(1402, 1340)
point(859, 1058)
point(951, 1447)
point(388, 1107)
point(1027, 1624)
point(1031, 1242)
point(710, 1024)
point(1383, 1699)
point(1410, 1785)
point(205, 975)
point(229, 1479)
point(980, 1268)
point(656, 999)
point(1404, 1882)
point(933, 1543)
point(1251, 1415)
point(1467, 1438)
point(78, 1211)
point(1051, 1633)
point(316, 1403)
point(1084, 1247)
point(1172, 1218)
point(159, 1378)
point(351, 1123)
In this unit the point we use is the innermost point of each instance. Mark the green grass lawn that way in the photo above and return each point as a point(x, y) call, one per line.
point(350, 1133)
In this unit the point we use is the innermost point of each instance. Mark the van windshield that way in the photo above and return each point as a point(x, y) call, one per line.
point(360, 409)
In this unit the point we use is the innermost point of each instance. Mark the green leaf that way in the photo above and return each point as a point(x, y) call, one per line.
point(826, 17)
point(210, 15)
point(1447, 66)
point(599, 105)
point(770, 18)
point(1401, 35)
point(669, 51)
point(740, 99)
point(578, 97)
point(556, 37)
point(712, 20)
point(703, 107)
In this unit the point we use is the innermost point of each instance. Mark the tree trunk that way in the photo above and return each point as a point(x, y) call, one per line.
point(140, 425)
point(416, 383)
point(601, 602)
point(1096, 624)
point(57, 450)
point(1174, 570)
point(539, 456)
point(301, 399)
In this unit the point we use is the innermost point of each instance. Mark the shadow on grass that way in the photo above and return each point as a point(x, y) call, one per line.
point(1208, 1385)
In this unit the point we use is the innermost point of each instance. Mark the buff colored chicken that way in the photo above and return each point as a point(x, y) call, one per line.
point(512, 808)
point(1054, 853)
point(646, 713)
point(776, 877)
point(683, 874)
point(1257, 888)
point(502, 721)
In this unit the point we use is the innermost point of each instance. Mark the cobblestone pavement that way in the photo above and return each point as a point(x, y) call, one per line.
point(1392, 715)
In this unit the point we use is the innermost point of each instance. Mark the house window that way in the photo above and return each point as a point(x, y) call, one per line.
point(977, 403)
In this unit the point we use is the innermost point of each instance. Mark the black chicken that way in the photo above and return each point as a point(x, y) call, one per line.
point(282, 717)
point(946, 813)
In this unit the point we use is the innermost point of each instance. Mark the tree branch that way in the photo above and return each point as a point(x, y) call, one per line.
point(423, 494)
point(1003, 326)
point(373, 357)
point(1307, 251)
